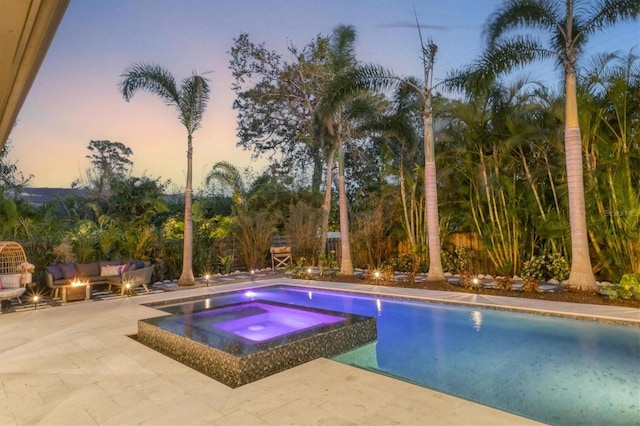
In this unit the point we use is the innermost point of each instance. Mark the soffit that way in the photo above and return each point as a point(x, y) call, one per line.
point(26, 30)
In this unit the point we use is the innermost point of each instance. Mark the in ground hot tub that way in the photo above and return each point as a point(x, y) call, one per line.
point(243, 342)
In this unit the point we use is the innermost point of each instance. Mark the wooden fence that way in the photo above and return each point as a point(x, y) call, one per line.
point(470, 240)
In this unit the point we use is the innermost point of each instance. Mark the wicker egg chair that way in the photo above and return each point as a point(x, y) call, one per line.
point(11, 256)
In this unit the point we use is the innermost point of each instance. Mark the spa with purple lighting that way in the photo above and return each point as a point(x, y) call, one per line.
point(259, 322)
point(243, 342)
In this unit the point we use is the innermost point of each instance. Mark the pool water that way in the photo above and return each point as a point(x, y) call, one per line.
point(267, 322)
point(253, 321)
point(554, 370)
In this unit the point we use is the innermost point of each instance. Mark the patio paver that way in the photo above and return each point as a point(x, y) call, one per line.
point(75, 364)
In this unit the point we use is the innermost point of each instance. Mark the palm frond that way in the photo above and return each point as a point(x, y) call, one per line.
point(519, 14)
point(505, 56)
point(605, 13)
point(342, 49)
point(228, 177)
point(194, 95)
point(152, 78)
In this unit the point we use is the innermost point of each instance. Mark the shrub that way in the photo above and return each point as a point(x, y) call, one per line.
point(300, 269)
point(558, 266)
point(545, 267)
point(372, 236)
point(628, 288)
point(403, 263)
point(535, 268)
point(253, 231)
point(461, 260)
point(224, 264)
point(302, 229)
point(63, 252)
point(328, 264)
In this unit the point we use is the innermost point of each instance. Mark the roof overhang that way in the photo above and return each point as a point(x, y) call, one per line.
point(27, 28)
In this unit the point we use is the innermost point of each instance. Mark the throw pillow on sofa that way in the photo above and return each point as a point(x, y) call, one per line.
point(69, 271)
point(109, 270)
point(55, 271)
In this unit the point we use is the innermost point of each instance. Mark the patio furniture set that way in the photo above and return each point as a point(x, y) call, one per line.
point(75, 281)
point(69, 281)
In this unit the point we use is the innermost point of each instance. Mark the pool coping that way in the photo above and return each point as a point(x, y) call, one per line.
point(586, 312)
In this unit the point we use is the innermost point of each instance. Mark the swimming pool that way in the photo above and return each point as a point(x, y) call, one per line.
point(554, 370)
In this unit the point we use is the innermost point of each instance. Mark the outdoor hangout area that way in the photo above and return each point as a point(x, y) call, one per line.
point(305, 345)
point(428, 216)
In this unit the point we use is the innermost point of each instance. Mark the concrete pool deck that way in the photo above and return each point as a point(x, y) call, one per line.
point(75, 364)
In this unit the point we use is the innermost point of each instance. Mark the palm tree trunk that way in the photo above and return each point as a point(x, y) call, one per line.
point(187, 278)
point(431, 196)
point(326, 204)
point(316, 176)
point(346, 266)
point(581, 275)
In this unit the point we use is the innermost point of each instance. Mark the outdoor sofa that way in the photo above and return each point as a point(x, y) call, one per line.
point(112, 274)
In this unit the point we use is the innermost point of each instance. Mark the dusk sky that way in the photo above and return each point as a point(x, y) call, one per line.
point(75, 97)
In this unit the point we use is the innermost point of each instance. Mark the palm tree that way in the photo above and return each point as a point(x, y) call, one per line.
point(373, 77)
point(191, 101)
point(341, 60)
point(230, 178)
point(569, 25)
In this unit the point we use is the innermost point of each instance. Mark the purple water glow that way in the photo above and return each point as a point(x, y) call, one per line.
point(260, 322)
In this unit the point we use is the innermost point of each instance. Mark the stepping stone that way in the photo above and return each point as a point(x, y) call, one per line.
point(547, 287)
